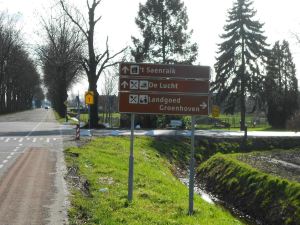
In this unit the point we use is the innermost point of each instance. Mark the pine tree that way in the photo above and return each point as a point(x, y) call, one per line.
point(281, 85)
point(241, 59)
point(165, 36)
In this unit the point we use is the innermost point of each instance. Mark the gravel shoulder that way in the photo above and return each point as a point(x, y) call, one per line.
point(282, 163)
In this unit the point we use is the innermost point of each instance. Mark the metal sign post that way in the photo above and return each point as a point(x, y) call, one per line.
point(78, 117)
point(192, 169)
point(89, 112)
point(131, 160)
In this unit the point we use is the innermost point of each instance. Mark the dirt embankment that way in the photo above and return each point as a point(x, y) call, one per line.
point(285, 164)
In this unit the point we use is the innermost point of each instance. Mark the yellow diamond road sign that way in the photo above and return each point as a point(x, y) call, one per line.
point(215, 111)
point(89, 98)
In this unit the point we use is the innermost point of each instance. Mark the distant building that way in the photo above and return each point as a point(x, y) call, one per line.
point(108, 103)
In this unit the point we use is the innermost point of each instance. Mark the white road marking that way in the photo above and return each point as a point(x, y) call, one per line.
point(38, 125)
point(34, 140)
point(1, 138)
point(15, 139)
point(48, 140)
point(7, 140)
point(21, 139)
point(20, 144)
point(1, 166)
point(5, 161)
point(41, 139)
point(54, 139)
point(8, 157)
point(12, 153)
point(27, 139)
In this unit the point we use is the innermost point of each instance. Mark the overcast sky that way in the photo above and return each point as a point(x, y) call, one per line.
point(206, 18)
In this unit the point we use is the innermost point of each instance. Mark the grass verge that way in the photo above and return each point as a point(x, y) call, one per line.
point(159, 198)
point(269, 198)
point(58, 118)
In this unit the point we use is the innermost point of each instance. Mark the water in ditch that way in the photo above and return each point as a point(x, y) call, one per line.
point(214, 200)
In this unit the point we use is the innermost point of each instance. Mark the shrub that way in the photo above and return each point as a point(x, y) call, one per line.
point(294, 122)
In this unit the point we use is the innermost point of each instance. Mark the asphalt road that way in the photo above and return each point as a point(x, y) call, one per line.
point(204, 133)
point(32, 188)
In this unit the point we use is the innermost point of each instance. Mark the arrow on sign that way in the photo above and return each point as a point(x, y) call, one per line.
point(125, 69)
point(124, 84)
point(203, 105)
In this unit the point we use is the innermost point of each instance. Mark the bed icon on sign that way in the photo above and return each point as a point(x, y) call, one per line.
point(144, 85)
point(143, 99)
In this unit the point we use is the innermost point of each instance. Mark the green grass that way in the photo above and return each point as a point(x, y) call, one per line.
point(58, 118)
point(159, 198)
point(274, 199)
point(84, 117)
point(203, 123)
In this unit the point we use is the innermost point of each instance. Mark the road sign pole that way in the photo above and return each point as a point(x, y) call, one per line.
point(192, 169)
point(89, 110)
point(78, 108)
point(131, 160)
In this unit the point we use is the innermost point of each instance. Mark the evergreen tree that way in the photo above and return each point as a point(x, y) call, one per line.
point(281, 85)
point(165, 38)
point(165, 35)
point(242, 56)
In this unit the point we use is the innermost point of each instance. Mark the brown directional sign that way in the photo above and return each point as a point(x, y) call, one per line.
point(164, 70)
point(143, 84)
point(163, 104)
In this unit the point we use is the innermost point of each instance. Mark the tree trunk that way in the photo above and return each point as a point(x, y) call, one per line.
point(243, 107)
point(243, 89)
point(93, 116)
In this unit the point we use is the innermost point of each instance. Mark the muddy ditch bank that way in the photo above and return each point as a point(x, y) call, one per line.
point(285, 164)
point(265, 197)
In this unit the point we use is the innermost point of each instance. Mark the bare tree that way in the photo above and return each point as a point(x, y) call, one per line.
point(108, 95)
point(60, 58)
point(297, 37)
point(94, 63)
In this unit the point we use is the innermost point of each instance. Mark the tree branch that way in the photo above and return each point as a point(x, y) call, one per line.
point(72, 19)
point(104, 64)
point(297, 37)
point(85, 65)
point(97, 20)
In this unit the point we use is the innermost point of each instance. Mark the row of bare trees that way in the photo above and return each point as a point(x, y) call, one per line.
point(69, 52)
point(19, 79)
